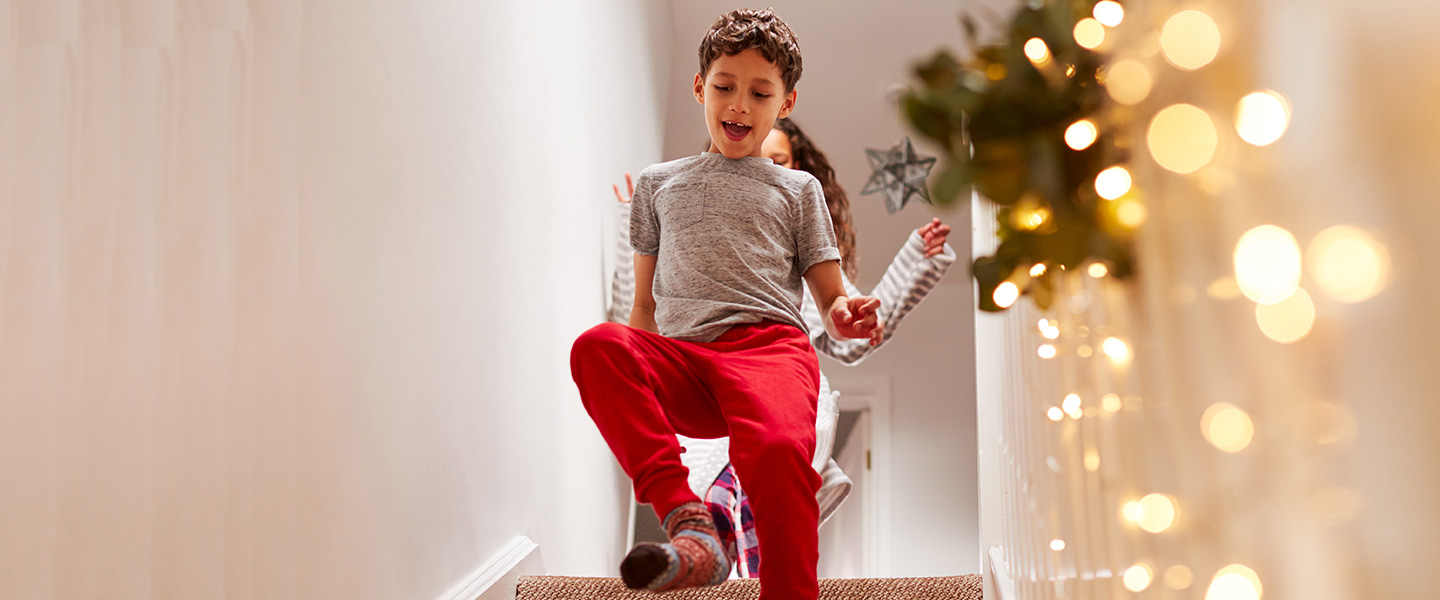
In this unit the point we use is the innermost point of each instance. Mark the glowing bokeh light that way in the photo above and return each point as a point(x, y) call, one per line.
point(1113, 182)
point(1098, 270)
point(1006, 294)
point(1267, 264)
point(1348, 264)
point(1116, 349)
point(1157, 513)
point(1092, 461)
point(1109, 13)
point(1128, 81)
point(1227, 427)
point(1223, 288)
point(1037, 270)
point(1055, 414)
point(1111, 403)
point(1262, 117)
point(1235, 582)
point(1179, 577)
point(1130, 213)
point(1289, 320)
point(1132, 511)
point(1037, 51)
point(1071, 404)
point(1084, 352)
point(1081, 134)
point(1057, 544)
point(1046, 351)
point(1190, 40)
point(1182, 138)
point(1089, 33)
point(1138, 577)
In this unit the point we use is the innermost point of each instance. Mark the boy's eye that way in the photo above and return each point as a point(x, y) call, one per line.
point(761, 96)
point(722, 88)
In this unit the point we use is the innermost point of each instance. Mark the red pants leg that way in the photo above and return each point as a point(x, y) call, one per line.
point(767, 388)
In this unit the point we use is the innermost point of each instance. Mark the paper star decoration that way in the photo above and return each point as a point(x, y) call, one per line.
point(900, 174)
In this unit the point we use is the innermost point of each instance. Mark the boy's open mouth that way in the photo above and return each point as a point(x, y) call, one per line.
point(736, 131)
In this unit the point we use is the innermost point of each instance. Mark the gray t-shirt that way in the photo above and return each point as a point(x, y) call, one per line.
point(732, 240)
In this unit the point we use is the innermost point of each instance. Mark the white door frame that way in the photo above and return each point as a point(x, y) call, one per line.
point(872, 394)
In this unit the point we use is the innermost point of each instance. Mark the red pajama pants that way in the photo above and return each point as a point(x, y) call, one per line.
point(755, 383)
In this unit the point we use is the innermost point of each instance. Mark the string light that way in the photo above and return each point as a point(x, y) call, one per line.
point(1071, 405)
point(1156, 513)
point(1055, 414)
point(1109, 13)
point(1092, 461)
point(1137, 577)
point(1267, 264)
point(1006, 294)
point(1289, 320)
point(1235, 582)
point(1227, 427)
point(1081, 134)
point(1046, 351)
point(1116, 349)
point(1128, 81)
point(1084, 351)
point(1178, 577)
point(1111, 403)
point(1113, 182)
point(1130, 213)
point(1037, 51)
point(1037, 270)
point(1182, 138)
point(1262, 117)
point(1089, 33)
point(1348, 264)
point(1190, 40)
point(1057, 544)
point(1097, 270)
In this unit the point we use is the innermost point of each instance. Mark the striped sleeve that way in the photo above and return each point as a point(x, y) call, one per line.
point(622, 283)
point(909, 279)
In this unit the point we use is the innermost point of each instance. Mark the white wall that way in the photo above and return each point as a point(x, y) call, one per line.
point(854, 53)
point(287, 289)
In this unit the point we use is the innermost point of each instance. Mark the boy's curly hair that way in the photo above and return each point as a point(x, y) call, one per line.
point(743, 29)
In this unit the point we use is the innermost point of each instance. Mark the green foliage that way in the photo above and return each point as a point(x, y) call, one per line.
point(1001, 119)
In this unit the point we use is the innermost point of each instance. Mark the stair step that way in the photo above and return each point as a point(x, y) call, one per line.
point(962, 587)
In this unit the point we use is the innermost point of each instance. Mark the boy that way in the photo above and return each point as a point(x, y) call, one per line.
point(716, 344)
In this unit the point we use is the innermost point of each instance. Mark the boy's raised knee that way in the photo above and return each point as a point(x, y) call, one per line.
point(599, 337)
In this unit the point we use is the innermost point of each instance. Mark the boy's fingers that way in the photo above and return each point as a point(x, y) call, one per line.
point(618, 197)
point(869, 306)
point(629, 185)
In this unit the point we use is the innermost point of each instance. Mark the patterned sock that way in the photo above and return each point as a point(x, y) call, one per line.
point(693, 558)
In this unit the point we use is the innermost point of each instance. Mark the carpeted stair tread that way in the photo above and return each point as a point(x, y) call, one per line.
point(962, 587)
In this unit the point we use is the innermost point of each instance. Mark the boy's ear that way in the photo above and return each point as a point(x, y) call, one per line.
point(700, 88)
point(789, 104)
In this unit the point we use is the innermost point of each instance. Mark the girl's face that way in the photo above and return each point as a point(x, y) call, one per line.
point(777, 148)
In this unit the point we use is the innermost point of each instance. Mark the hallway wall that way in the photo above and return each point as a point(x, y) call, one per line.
point(287, 289)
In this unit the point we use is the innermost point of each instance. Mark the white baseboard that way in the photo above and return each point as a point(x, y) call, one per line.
point(1000, 575)
point(496, 579)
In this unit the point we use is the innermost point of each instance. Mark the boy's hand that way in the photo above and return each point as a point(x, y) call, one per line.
point(629, 193)
point(856, 318)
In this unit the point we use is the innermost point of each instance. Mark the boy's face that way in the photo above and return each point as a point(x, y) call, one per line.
point(743, 96)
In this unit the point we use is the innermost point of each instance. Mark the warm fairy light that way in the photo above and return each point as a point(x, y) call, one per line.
point(1113, 182)
point(1037, 270)
point(1098, 270)
point(1178, 577)
point(1055, 414)
point(1132, 511)
point(1029, 215)
point(1267, 264)
point(1348, 264)
point(1006, 294)
point(1261, 117)
point(1289, 320)
point(1138, 577)
point(1190, 40)
point(995, 72)
point(1057, 544)
point(1128, 81)
point(1111, 403)
point(1227, 427)
point(1089, 33)
point(1109, 13)
point(1071, 405)
point(1130, 213)
point(1051, 332)
point(1081, 134)
point(1235, 582)
point(1083, 352)
point(1092, 460)
point(1182, 138)
point(1223, 288)
point(1037, 51)
point(1116, 349)
point(1157, 513)
point(1046, 351)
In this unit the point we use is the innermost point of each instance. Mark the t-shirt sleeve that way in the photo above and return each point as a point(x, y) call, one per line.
point(644, 224)
point(814, 234)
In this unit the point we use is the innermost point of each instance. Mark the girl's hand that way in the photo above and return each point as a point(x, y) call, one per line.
point(856, 318)
point(934, 234)
point(630, 191)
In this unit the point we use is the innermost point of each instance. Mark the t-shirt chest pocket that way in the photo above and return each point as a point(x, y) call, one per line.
point(681, 205)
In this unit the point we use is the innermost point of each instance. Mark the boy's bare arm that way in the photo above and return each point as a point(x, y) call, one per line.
point(642, 314)
point(845, 317)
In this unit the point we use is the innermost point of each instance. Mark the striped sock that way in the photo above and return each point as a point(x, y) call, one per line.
point(692, 558)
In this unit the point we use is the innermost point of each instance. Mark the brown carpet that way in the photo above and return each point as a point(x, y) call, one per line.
point(963, 587)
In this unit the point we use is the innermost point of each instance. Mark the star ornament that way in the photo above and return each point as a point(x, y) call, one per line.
point(900, 174)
